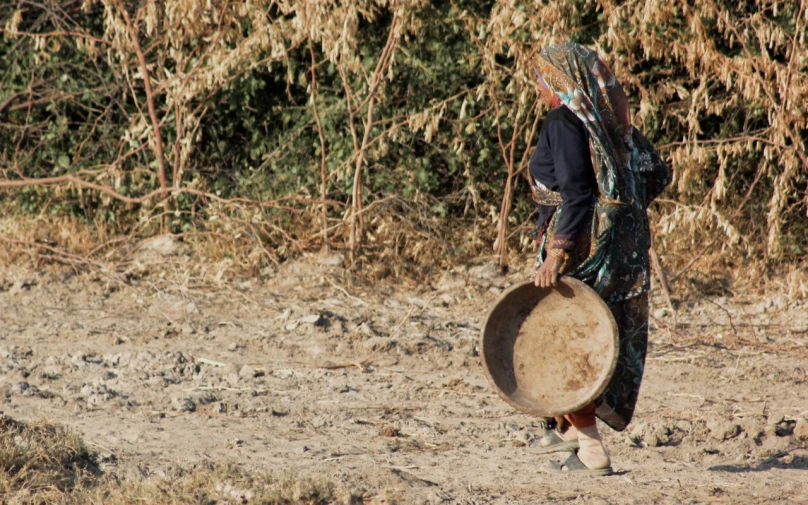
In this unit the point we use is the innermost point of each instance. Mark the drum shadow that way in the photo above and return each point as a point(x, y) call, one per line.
point(501, 350)
point(565, 291)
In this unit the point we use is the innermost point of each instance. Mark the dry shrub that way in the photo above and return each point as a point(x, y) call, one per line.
point(40, 462)
point(720, 86)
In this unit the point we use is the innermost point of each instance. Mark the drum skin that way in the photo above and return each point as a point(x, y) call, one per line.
point(549, 351)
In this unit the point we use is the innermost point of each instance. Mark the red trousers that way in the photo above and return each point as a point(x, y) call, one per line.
point(582, 418)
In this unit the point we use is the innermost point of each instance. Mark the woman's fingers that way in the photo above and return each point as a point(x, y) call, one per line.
point(545, 277)
point(547, 274)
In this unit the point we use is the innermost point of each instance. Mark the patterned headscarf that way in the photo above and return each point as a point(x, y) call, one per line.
point(586, 86)
point(629, 171)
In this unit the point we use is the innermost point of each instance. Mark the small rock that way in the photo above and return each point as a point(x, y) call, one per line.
point(487, 271)
point(232, 378)
point(390, 431)
point(247, 372)
point(801, 429)
point(651, 440)
point(19, 286)
point(660, 436)
point(188, 330)
point(364, 329)
point(23, 389)
point(636, 435)
point(745, 446)
point(192, 308)
point(779, 302)
point(785, 428)
point(231, 492)
point(284, 374)
point(290, 326)
point(311, 319)
point(164, 245)
point(779, 445)
point(754, 427)
point(446, 299)
point(331, 260)
point(78, 359)
point(184, 405)
point(50, 372)
point(450, 282)
point(684, 426)
point(779, 426)
point(721, 429)
point(661, 313)
point(233, 346)
point(218, 408)
point(97, 394)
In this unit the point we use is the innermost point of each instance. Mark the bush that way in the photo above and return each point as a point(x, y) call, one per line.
point(297, 124)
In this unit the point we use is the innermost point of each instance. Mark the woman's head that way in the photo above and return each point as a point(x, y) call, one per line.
point(584, 83)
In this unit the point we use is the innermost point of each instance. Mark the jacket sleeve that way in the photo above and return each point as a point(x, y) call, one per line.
point(576, 181)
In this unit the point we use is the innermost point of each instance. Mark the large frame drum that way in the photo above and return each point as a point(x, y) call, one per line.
point(549, 351)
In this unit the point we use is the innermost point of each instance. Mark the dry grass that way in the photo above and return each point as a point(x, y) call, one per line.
point(41, 463)
point(403, 238)
point(403, 242)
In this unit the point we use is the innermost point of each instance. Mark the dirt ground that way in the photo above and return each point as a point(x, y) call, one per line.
point(166, 370)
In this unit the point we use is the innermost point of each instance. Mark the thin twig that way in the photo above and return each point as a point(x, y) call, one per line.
point(729, 316)
point(209, 362)
point(158, 138)
point(344, 291)
point(54, 34)
point(356, 199)
point(663, 282)
point(323, 175)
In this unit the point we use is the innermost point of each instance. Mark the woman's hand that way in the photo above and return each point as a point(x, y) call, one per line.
point(547, 274)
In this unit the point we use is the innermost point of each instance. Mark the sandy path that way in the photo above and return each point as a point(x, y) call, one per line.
point(716, 423)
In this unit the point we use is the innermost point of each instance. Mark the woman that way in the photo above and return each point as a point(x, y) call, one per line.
point(594, 176)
